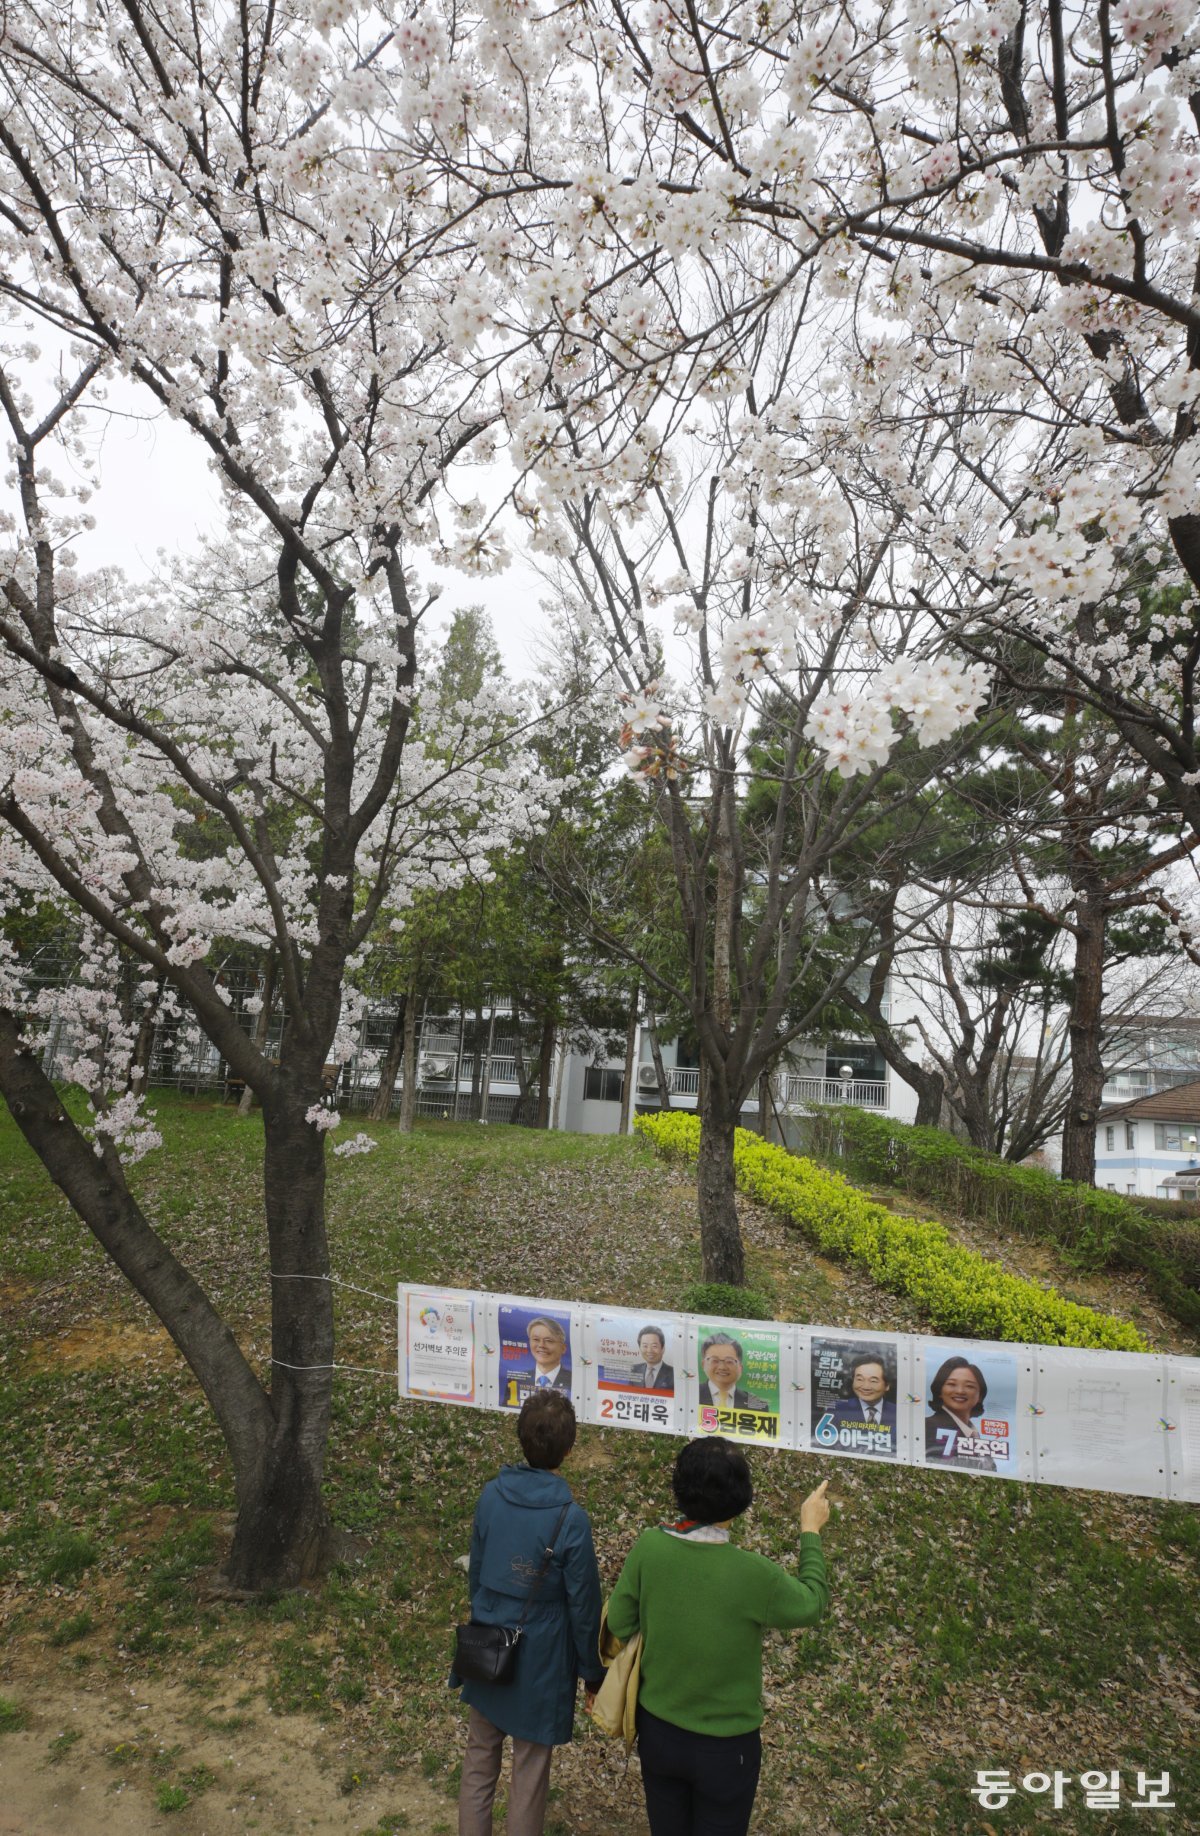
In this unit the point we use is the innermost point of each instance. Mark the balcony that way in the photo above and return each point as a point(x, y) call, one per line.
point(793, 1090)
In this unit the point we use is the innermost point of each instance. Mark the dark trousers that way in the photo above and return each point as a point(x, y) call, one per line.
point(697, 1784)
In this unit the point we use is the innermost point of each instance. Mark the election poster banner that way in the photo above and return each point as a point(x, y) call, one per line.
point(974, 1421)
point(741, 1370)
point(633, 1361)
point(438, 1356)
point(1108, 1421)
point(853, 1395)
point(536, 1350)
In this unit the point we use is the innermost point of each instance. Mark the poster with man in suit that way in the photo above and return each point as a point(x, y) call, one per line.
point(633, 1359)
point(739, 1386)
point(853, 1396)
point(535, 1352)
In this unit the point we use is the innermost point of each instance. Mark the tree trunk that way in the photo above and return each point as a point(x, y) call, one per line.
point(381, 1108)
point(262, 1026)
point(139, 1064)
point(627, 1091)
point(764, 1105)
point(1084, 1031)
point(720, 1233)
point(474, 1109)
point(277, 1442)
point(660, 1071)
point(930, 1087)
point(486, 1089)
point(283, 1534)
point(522, 1103)
point(546, 1071)
point(408, 1089)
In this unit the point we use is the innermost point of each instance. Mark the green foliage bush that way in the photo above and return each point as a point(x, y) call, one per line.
point(959, 1291)
point(1094, 1229)
point(722, 1299)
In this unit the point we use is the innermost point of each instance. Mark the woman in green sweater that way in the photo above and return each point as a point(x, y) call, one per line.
point(702, 1605)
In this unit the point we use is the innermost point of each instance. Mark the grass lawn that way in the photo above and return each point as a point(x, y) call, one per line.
point(975, 1625)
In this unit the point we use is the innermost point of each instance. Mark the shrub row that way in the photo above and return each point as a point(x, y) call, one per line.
point(959, 1291)
point(1094, 1229)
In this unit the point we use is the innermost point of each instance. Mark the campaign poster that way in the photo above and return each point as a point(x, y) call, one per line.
point(437, 1345)
point(852, 1392)
point(635, 1357)
point(535, 1350)
point(739, 1378)
point(970, 1398)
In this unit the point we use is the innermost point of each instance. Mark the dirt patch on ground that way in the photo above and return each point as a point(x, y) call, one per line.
point(101, 1342)
point(98, 1760)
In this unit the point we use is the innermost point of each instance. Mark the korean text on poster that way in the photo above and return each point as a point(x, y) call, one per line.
point(853, 1396)
point(438, 1345)
point(535, 1350)
point(740, 1381)
point(634, 1357)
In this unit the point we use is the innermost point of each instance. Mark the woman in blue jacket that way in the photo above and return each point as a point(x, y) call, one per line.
point(514, 1521)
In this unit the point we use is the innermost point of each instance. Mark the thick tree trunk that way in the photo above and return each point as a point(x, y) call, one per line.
point(1084, 1032)
point(94, 1185)
point(389, 1070)
point(283, 1534)
point(408, 1089)
point(720, 1233)
point(930, 1087)
point(262, 1025)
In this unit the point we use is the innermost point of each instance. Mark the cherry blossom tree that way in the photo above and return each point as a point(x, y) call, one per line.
point(1007, 199)
point(742, 591)
point(201, 212)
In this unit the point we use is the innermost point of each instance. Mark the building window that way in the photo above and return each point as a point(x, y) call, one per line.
point(1110, 1139)
point(1179, 1135)
point(1110, 1187)
point(1161, 1192)
point(1131, 1190)
point(1131, 1134)
point(864, 1059)
point(601, 1086)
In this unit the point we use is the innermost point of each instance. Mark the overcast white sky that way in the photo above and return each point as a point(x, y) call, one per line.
point(158, 492)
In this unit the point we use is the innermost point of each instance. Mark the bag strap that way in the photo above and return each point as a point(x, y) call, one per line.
point(541, 1573)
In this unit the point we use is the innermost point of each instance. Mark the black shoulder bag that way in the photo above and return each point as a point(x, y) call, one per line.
point(488, 1654)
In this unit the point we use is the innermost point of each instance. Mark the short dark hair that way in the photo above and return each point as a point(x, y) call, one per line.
point(658, 1332)
point(711, 1480)
point(945, 1370)
point(546, 1428)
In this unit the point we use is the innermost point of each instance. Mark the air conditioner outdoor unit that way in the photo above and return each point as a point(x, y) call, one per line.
point(647, 1078)
point(434, 1067)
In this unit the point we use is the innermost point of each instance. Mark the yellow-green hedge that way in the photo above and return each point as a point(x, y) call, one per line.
point(958, 1291)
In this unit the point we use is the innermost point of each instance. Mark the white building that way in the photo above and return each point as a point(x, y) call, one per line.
point(841, 1071)
point(1150, 1147)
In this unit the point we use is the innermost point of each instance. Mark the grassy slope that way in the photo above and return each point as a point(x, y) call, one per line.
point(975, 1624)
